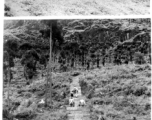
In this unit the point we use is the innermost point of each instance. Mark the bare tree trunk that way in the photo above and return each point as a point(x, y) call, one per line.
point(9, 79)
point(47, 86)
point(49, 78)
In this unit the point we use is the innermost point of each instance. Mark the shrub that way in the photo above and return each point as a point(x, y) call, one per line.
point(26, 115)
point(25, 46)
point(83, 85)
point(63, 67)
point(7, 115)
point(147, 106)
point(11, 46)
point(29, 60)
point(43, 60)
point(7, 10)
point(94, 117)
point(139, 91)
point(139, 58)
point(90, 92)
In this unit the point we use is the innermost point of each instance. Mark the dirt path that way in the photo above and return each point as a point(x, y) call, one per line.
point(77, 112)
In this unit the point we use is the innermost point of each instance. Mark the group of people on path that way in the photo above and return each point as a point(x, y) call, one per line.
point(74, 93)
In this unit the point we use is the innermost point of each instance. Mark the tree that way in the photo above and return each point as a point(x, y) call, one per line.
point(50, 63)
point(56, 40)
point(11, 51)
point(29, 60)
point(7, 73)
point(49, 80)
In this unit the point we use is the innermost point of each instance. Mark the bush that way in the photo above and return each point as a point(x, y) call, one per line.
point(147, 106)
point(7, 10)
point(28, 73)
point(97, 100)
point(139, 58)
point(94, 117)
point(43, 60)
point(83, 85)
point(25, 46)
point(7, 115)
point(26, 115)
point(10, 51)
point(90, 92)
point(11, 46)
point(87, 89)
point(64, 67)
point(29, 60)
point(140, 91)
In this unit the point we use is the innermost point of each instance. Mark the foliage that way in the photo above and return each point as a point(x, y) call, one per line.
point(29, 56)
point(115, 41)
point(43, 60)
point(139, 58)
point(78, 44)
point(10, 52)
point(11, 46)
point(25, 46)
point(29, 61)
point(124, 88)
point(7, 10)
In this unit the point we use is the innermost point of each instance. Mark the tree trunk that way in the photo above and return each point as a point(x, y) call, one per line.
point(49, 75)
point(9, 79)
point(82, 60)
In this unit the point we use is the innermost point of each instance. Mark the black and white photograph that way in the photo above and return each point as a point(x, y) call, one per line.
point(76, 7)
point(76, 69)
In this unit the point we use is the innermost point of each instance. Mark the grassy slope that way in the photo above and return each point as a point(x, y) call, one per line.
point(21, 93)
point(78, 7)
point(123, 92)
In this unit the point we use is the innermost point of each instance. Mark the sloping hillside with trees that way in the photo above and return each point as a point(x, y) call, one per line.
point(76, 7)
point(41, 57)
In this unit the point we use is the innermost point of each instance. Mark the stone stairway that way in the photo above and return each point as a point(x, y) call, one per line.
point(77, 112)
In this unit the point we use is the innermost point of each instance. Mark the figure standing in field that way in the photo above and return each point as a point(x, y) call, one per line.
point(71, 100)
point(103, 61)
point(82, 103)
point(88, 64)
point(98, 61)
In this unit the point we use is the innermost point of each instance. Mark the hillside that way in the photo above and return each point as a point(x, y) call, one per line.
point(112, 37)
point(120, 92)
point(72, 7)
point(107, 60)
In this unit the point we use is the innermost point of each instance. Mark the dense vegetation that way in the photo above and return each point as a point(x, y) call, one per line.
point(118, 92)
point(75, 45)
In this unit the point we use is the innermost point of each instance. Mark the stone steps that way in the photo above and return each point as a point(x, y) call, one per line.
point(77, 112)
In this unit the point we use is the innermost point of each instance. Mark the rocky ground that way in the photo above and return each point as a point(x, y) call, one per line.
point(76, 7)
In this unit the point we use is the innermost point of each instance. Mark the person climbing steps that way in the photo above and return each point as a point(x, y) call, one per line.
point(71, 102)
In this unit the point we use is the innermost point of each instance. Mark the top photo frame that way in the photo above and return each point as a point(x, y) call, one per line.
point(17, 8)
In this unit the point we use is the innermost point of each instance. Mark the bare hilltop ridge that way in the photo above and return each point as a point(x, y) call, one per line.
point(108, 61)
point(76, 7)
